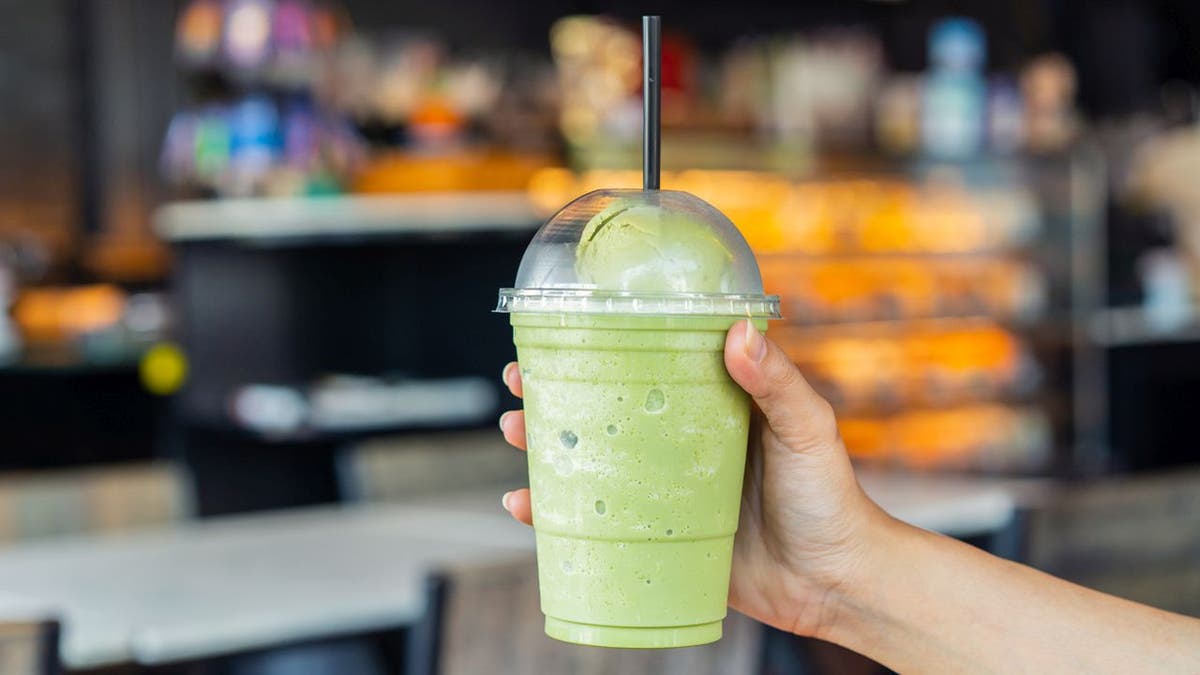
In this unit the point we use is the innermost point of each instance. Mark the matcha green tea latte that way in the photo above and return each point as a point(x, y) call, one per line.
point(636, 433)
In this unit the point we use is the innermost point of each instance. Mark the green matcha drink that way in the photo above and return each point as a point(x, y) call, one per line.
point(636, 433)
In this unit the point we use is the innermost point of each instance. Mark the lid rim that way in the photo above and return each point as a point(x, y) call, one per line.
point(646, 303)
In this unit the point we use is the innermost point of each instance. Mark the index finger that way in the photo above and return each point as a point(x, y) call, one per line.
point(512, 378)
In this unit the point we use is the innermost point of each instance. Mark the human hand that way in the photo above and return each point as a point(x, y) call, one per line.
point(814, 556)
point(805, 523)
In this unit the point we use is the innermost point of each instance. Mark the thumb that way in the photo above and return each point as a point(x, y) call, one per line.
point(796, 414)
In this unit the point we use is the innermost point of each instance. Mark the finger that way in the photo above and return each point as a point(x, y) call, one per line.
point(795, 412)
point(512, 379)
point(517, 504)
point(512, 423)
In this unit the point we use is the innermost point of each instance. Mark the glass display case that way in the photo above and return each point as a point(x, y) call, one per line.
point(931, 304)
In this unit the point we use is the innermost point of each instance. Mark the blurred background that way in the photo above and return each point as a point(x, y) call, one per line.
point(249, 249)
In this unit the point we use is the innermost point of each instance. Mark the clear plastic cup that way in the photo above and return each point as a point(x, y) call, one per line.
point(636, 434)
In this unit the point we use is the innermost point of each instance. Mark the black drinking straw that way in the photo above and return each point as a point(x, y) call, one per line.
point(651, 103)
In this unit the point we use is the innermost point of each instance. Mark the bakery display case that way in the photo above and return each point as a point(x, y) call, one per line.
point(918, 302)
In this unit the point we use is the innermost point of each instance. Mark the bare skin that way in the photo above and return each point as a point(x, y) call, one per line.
point(816, 557)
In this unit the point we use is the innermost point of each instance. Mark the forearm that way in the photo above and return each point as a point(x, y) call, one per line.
point(926, 603)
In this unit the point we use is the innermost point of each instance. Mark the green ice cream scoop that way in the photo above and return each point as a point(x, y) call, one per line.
point(648, 248)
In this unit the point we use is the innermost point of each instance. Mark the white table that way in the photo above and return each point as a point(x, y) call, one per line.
point(237, 583)
point(959, 506)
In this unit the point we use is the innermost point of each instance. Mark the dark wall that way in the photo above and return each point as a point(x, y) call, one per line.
point(38, 132)
point(133, 87)
point(86, 91)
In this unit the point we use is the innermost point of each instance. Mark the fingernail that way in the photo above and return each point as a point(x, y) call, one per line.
point(504, 501)
point(504, 373)
point(755, 344)
point(506, 414)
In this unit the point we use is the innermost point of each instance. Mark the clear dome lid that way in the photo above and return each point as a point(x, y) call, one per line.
point(649, 252)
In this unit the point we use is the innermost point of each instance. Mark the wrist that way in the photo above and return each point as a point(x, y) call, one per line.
point(854, 603)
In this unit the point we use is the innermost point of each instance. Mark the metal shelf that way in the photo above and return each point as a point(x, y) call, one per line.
point(420, 214)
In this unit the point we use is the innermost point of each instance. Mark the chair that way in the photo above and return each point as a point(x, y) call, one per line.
point(52, 503)
point(29, 648)
point(1137, 538)
point(485, 618)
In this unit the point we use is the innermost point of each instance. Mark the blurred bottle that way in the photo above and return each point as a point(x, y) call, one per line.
point(898, 115)
point(300, 158)
point(178, 160)
point(953, 111)
point(791, 117)
point(301, 145)
point(327, 25)
point(1005, 117)
point(247, 35)
point(1048, 86)
point(198, 33)
point(291, 30)
point(1167, 290)
point(211, 145)
point(254, 143)
point(743, 76)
